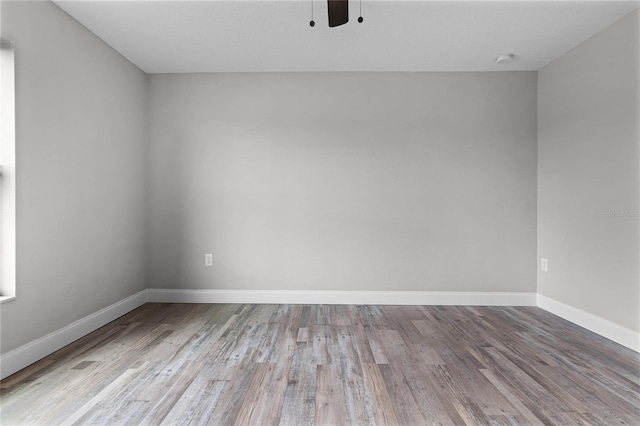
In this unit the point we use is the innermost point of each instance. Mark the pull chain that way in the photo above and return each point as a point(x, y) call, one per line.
point(312, 23)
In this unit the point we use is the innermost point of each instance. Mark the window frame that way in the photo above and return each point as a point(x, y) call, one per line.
point(7, 172)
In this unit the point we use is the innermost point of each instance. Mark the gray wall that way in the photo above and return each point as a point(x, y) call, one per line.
point(588, 164)
point(81, 150)
point(344, 181)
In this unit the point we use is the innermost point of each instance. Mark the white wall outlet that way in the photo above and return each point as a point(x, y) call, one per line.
point(208, 259)
point(544, 264)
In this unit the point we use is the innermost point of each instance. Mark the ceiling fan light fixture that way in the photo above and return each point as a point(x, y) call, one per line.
point(338, 12)
point(505, 59)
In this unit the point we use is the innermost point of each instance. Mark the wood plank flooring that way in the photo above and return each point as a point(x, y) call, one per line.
point(181, 364)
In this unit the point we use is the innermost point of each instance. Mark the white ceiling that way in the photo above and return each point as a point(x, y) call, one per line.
point(217, 36)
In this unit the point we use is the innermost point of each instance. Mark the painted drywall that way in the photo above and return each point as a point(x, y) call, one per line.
point(81, 129)
point(588, 176)
point(343, 181)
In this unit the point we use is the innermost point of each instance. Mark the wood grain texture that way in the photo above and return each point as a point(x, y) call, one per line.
point(180, 364)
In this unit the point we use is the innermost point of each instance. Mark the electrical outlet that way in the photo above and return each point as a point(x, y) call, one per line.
point(208, 259)
point(544, 264)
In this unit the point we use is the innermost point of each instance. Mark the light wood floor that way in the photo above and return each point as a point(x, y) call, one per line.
point(330, 365)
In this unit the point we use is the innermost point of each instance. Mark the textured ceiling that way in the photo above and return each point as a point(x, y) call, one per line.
point(219, 36)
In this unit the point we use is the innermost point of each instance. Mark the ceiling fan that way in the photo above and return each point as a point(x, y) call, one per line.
point(338, 12)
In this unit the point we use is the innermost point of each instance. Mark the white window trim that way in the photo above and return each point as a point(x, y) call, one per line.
point(7, 173)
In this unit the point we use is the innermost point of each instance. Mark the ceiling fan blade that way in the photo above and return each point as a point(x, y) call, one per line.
point(338, 12)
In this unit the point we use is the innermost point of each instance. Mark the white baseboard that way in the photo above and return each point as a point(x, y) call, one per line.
point(23, 356)
point(343, 297)
point(610, 330)
point(35, 350)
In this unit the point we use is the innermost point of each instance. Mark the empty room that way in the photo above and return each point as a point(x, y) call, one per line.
point(319, 212)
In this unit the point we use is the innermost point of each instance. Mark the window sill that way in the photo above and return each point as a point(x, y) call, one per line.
point(6, 298)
